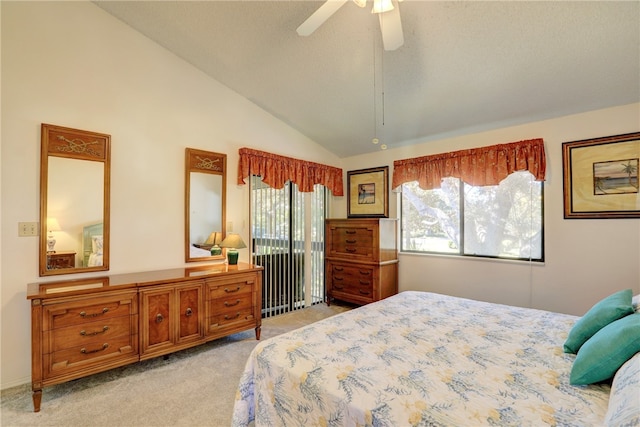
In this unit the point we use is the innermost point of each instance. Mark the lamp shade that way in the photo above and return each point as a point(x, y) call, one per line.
point(233, 241)
point(53, 225)
point(214, 238)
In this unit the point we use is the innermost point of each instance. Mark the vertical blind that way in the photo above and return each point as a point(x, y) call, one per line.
point(288, 241)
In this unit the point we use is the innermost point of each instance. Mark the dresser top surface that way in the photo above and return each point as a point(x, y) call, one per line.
point(132, 280)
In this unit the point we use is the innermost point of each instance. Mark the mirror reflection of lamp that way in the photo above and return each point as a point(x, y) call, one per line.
point(233, 242)
point(52, 225)
point(214, 240)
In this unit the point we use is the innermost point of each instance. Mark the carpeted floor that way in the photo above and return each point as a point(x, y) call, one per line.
point(194, 387)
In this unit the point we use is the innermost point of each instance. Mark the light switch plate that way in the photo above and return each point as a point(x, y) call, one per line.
point(27, 229)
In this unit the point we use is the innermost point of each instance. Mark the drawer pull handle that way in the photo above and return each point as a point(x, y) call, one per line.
point(232, 290)
point(351, 241)
point(159, 318)
point(338, 287)
point(351, 231)
point(188, 312)
point(90, 334)
point(338, 278)
point(85, 351)
point(352, 250)
point(231, 304)
point(227, 317)
point(364, 282)
point(364, 292)
point(336, 268)
point(84, 313)
point(365, 272)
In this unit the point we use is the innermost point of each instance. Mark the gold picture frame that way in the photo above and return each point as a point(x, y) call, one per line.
point(601, 177)
point(368, 193)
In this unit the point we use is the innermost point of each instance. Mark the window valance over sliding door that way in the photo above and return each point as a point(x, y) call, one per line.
point(276, 170)
point(476, 166)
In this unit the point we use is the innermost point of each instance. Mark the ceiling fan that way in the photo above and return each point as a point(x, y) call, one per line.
point(388, 14)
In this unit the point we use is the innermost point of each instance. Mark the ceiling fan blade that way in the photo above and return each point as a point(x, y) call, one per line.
point(391, 28)
point(319, 16)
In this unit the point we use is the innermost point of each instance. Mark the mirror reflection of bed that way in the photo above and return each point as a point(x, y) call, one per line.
point(92, 245)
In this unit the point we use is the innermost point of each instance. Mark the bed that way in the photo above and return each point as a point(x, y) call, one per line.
point(426, 359)
point(92, 245)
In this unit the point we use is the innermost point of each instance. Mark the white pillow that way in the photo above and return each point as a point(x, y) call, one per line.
point(635, 302)
point(96, 244)
point(624, 400)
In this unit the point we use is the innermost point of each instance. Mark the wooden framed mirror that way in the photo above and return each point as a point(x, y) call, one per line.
point(75, 170)
point(205, 204)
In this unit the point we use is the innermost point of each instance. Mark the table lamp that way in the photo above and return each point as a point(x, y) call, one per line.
point(233, 242)
point(52, 225)
point(214, 240)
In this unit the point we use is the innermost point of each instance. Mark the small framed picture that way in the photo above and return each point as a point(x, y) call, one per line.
point(601, 177)
point(368, 192)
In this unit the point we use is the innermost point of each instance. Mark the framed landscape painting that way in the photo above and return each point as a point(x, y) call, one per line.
point(601, 177)
point(367, 193)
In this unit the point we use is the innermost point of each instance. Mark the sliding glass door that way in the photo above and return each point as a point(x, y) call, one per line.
point(288, 241)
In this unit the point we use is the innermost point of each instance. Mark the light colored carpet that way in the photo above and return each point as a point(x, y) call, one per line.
point(194, 387)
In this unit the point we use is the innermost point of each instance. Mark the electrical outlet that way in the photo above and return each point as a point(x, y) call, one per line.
point(27, 229)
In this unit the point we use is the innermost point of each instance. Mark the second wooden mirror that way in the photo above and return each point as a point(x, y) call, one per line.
point(205, 204)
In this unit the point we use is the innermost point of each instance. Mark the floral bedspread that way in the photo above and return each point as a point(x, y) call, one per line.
point(420, 359)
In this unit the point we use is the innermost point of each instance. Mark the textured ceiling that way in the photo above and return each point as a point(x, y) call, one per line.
point(464, 66)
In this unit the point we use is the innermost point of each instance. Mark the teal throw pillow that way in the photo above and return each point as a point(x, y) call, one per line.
point(600, 315)
point(601, 356)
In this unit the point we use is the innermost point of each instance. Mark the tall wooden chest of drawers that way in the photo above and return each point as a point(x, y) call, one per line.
point(361, 259)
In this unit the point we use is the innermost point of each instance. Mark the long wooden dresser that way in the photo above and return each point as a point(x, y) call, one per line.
point(83, 326)
point(361, 259)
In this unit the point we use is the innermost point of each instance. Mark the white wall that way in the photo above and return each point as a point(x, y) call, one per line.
point(585, 260)
point(71, 64)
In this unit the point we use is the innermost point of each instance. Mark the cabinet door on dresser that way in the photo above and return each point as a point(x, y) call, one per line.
point(171, 317)
point(87, 335)
point(234, 304)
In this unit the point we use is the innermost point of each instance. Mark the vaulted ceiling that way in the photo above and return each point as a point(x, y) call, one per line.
point(464, 66)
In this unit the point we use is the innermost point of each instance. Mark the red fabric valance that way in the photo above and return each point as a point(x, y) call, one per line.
point(476, 166)
point(276, 170)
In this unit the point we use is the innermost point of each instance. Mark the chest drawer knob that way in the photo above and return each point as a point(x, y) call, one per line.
point(159, 318)
point(350, 249)
point(350, 231)
point(85, 351)
point(90, 334)
point(232, 290)
point(231, 304)
point(188, 312)
point(352, 241)
point(84, 313)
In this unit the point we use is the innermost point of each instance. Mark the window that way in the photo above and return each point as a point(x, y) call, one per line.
point(499, 221)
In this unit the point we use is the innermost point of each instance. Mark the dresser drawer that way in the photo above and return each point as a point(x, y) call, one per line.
point(351, 241)
point(231, 287)
point(222, 320)
point(94, 354)
point(231, 303)
point(88, 333)
point(353, 275)
point(89, 310)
